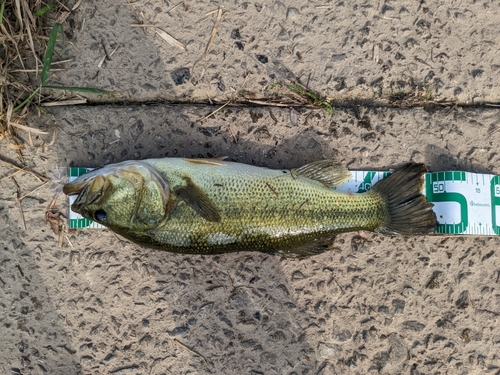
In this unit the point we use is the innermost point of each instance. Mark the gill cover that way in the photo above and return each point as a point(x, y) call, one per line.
point(149, 212)
point(128, 196)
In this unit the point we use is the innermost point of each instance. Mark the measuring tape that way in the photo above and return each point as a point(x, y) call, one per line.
point(464, 202)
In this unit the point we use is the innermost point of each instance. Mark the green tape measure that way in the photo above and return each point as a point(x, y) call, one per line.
point(77, 221)
point(464, 202)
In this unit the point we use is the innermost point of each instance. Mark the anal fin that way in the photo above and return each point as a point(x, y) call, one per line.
point(329, 172)
point(317, 246)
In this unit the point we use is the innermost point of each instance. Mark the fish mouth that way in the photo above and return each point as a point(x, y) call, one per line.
point(74, 188)
point(79, 189)
point(89, 191)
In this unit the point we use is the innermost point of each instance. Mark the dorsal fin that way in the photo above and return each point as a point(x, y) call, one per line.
point(329, 172)
point(216, 162)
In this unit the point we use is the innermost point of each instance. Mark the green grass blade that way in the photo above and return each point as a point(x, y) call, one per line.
point(2, 8)
point(47, 60)
point(27, 99)
point(328, 106)
point(312, 96)
point(273, 85)
point(45, 9)
point(86, 90)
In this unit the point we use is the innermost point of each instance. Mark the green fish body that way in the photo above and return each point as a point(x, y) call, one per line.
point(210, 206)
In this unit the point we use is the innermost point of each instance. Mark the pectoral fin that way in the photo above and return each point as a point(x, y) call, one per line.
point(198, 201)
point(330, 173)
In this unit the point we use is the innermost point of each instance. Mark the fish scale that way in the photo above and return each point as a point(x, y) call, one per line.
point(262, 209)
point(211, 206)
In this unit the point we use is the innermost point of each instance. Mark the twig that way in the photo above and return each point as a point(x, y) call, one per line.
point(170, 39)
point(25, 169)
point(35, 189)
point(33, 70)
point(12, 174)
point(190, 350)
point(27, 128)
point(51, 206)
point(272, 189)
point(53, 138)
point(306, 202)
point(340, 287)
point(78, 3)
point(67, 239)
point(231, 130)
point(212, 37)
point(20, 270)
point(175, 7)
point(214, 112)
point(263, 102)
point(64, 102)
point(61, 234)
point(19, 202)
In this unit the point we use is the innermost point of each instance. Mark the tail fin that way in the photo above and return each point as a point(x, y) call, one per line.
point(408, 212)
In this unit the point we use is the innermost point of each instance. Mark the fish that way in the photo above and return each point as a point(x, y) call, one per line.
point(213, 206)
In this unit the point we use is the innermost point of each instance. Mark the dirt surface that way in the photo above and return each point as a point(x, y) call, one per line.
point(102, 305)
point(382, 51)
point(88, 302)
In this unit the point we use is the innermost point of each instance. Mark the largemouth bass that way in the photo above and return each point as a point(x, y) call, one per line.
point(210, 206)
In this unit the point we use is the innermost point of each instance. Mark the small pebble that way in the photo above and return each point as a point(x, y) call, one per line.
point(291, 13)
point(327, 350)
point(262, 58)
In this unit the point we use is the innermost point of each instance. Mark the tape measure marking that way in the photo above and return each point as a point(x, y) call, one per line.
point(464, 202)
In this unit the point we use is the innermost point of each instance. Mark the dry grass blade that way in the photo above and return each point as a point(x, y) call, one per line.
point(39, 177)
point(26, 50)
point(86, 90)
point(214, 112)
point(78, 3)
point(33, 70)
point(233, 133)
point(12, 174)
point(170, 39)
point(2, 10)
point(35, 189)
point(64, 102)
point(190, 350)
point(175, 7)
point(212, 38)
point(23, 49)
point(52, 217)
point(18, 13)
point(27, 128)
point(274, 104)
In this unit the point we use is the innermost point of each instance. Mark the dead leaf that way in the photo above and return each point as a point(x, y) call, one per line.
point(55, 221)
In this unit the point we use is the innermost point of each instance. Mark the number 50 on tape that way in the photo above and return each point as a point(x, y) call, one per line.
point(464, 202)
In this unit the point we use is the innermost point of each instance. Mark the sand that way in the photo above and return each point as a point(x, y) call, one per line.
point(90, 302)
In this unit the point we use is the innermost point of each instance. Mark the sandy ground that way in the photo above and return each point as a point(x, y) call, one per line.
point(99, 304)
point(103, 305)
point(344, 50)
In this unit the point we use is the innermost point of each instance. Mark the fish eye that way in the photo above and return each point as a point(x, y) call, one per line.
point(100, 215)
